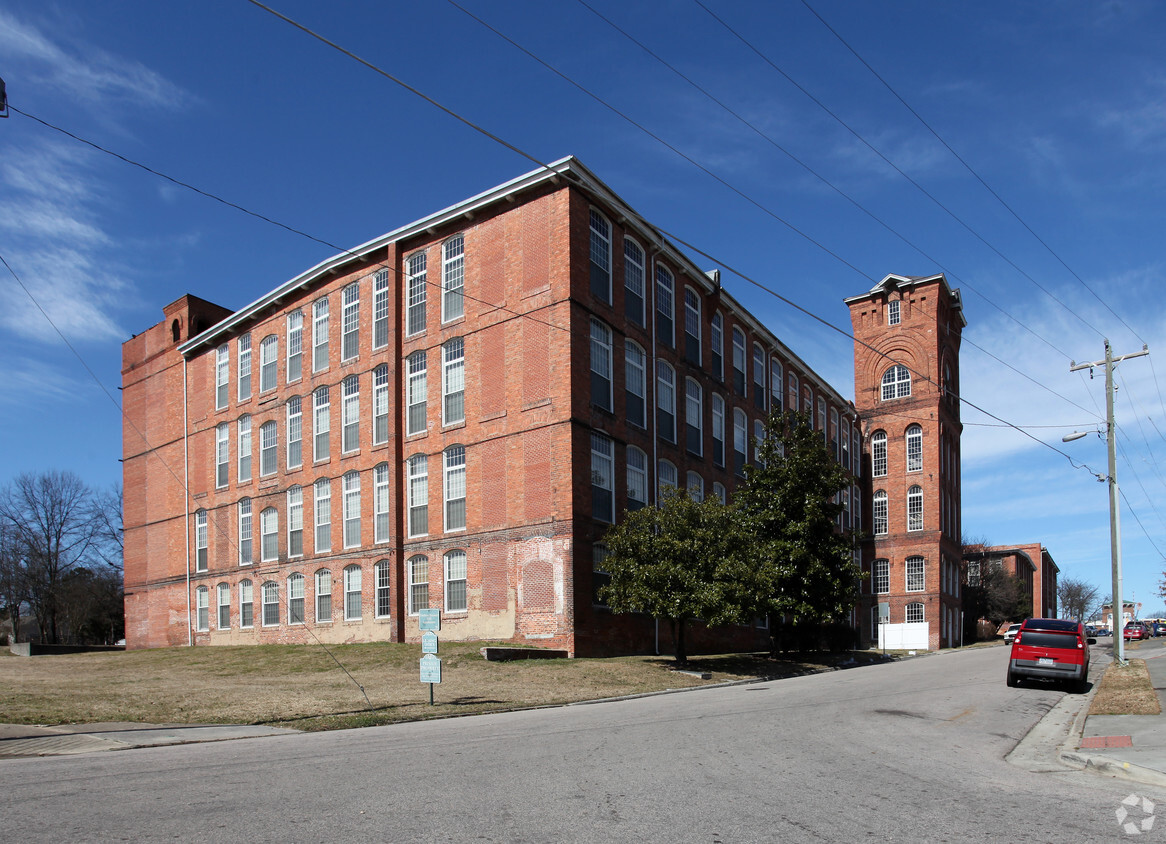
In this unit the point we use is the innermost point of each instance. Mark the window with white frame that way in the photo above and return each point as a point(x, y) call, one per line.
point(665, 306)
point(694, 417)
point(320, 334)
point(350, 322)
point(637, 478)
point(270, 593)
point(666, 479)
point(268, 360)
point(323, 513)
point(383, 575)
point(222, 376)
point(633, 280)
point(738, 361)
point(856, 448)
point(380, 405)
point(740, 441)
point(845, 440)
point(295, 345)
point(808, 404)
point(352, 509)
point(295, 433)
point(759, 371)
point(453, 381)
point(268, 448)
point(856, 507)
point(295, 598)
point(350, 414)
point(202, 604)
point(758, 441)
point(295, 521)
point(415, 285)
point(775, 384)
point(914, 613)
point(323, 596)
point(914, 448)
point(602, 478)
point(893, 312)
point(418, 583)
point(878, 454)
point(691, 326)
point(380, 309)
point(222, 454)
point(792, 391)
point(246, 608)
point(915, 579)
point(717, 340)
point(822, 426)
point(246, 555)
point(600, 257)
point(321, 423)
point(455, 488)
point(224, 605)
point(833, 435)
point(881, 577)
point(269, 535)
point(718, 430)
point(200, 541)
point(380, 498)
point(634, 383)
point(896, 383)
point(453, 278)
point(600, 365)
point(352, 593)
point(665, 401)
point(720, 492)
point(455, 581)
point(417, 474)
point(415, 394)
point(245, 367)
point(915, 508)
point(694, 484)
point(878, 507)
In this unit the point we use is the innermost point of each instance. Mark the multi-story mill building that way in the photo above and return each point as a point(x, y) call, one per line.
point(452, 414)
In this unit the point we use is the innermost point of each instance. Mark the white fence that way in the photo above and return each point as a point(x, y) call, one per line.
point(913, 636)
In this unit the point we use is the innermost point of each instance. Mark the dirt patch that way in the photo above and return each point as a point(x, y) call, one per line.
point(1126, 690)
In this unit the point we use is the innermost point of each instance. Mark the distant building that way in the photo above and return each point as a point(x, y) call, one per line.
point(1129, 612)
point(1032, 563)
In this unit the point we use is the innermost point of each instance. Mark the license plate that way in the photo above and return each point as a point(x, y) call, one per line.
point(1044, 660)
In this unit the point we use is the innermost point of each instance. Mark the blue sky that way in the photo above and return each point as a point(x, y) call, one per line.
point(1060, 110)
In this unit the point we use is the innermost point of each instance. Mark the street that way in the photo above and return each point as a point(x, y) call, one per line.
point(910, 751)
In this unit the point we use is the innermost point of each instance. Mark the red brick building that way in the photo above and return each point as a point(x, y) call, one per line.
point(1032, 563)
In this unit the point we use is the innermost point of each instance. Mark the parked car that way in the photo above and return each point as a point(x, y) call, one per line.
point(1010, 633)
point(1160, 628)
point(1051, 649)
point(1135, 630)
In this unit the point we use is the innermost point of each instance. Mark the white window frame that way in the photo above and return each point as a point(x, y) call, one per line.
point(295, 598)
point(382, 573)
point(915, 508)
point(694, 414)
point(602, 477)
point(295, 521)
point(914, 613)
point(418, 589)
point(246, 532)
point(222, 455)
point(896, 383)
point(635, 379)
point(637, 472)
point(760, 392)
point(894, 316)
point(269, 535)
point(223, 620)
point(417, 478)
point(416, 389)
point(453, 381)
point(268, 448)
point(718, 429)
point(322, 515)
point(353, 593)
point(246, 605)
point(380, 309)
point(244, 390)
point(666, 397)
point(717, 344)
point(201, 548)
point(202, 609)
point(222, 376)
point(295, 346)
point(776, 382)
point(601, 363)
point(633, 278)
point(453, 278)
point(878, 454)
point(321, 423)
point(880, 577)
point(380, 405)
point(454, 489)
point(666, 476)
point(916, 574)
point(351, 487)
point(694, 484)
point(880, 513)
point(320, 335)
point(454, 564)
point(295, 432)
point(350, 415)
point(914, 438)
point(600, 253)
point(692, 319)
point(416, 293)
point(666, 305)
point(323, 591)
point(350, 322)
point(268, 363)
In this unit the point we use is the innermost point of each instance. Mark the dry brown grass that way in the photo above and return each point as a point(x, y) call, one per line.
point(302, 686)
point(1126, 690)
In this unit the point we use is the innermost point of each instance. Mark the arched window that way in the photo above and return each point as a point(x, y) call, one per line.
point(415, 283)
point(600, 364)
point(323, 596)
point(417, 472)
point(600, 257)
point(224, 606)
point(453, 278)
point(200, 541)
point(380, 405)
point(694, 484)
point(245, 553)
point(350, 322)
point(634, 383)
point(295, 598)
point(915, 508)
point(637, 478)
point(878, 506)
point(380, 502)
point(383, 573)
point(268, 448)
point(455, 581)
point(740, 437)
point(455, 488)
point(268, 352)
point(418, 583)
point(633, 280)
point(350, 414)
point(692, 326)
point(915, 448)
point(246, 608)
point(602, 478)
point(878, 454)
point(896, 383)
point(666, 474)
point(269, 535)
point(295, 521)
point(664, 306)
point(453, 381)
point(352, 593)
point(351, 509)
point(719, 492)
point(270, 604)
point(666, 401)
point(415, 393)
point(202, 604)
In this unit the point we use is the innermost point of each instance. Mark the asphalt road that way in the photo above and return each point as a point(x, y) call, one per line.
point(911, 751)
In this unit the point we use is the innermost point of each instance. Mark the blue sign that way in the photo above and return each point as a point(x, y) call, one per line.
point(428, 642)
point(429, 619)
point(430, 669)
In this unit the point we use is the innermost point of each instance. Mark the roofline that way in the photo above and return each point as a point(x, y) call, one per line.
point(911, 280)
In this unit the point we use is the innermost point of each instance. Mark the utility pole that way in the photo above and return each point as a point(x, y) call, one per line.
point(1118, 600)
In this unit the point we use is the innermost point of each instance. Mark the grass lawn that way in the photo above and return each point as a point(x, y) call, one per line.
point(301, 686)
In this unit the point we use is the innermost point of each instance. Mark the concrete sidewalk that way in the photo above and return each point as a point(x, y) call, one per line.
point(18, 740)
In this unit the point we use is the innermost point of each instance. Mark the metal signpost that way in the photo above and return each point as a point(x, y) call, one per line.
point(429, 622)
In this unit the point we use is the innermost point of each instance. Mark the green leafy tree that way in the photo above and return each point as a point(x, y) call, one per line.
point(805, 565)
point(680, 560)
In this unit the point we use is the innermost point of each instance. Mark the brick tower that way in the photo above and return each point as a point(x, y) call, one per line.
point(906, 391)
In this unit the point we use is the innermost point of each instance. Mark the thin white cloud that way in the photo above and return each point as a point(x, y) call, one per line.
point(26, 381)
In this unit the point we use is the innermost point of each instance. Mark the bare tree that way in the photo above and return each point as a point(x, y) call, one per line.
point(107, 517)
point(13, 588)
point(1078, 599)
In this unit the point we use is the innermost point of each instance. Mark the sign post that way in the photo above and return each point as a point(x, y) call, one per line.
point(429, 622)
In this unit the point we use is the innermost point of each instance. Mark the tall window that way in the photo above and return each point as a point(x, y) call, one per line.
point(352, 510)
point(350, 414)
point(602, 478)
point(352, 593)
point(634, 383)
point(881, 577)
point(834, 434)
point(245, 367)
point(224, 605)
point(380, 405)
point(295, 598)
point(665, 401)
point(759, 390)
point(383, 575)
point(295, 433)
point(808, 404)
point(350, 322)
point(758, 441)
point(717, 338)
point(915, 579)
point(914, 448)
point(222, 376)
point(418, 479)
point(246, 608)
point(418, 584)
point(415, 285)
point(321, 424)
point(453, 381)
point(600, 257)
point(222, 454)
point(856, 507)
point(720, 493)
point(694, 483)
point(738, 361)
point(878, 506)
point(845, 440)
point(600, 577)
point(295, 521)
point(740, 441)
point(915, 508)
point(380, 309)
point(323, 596)
point(295, 346)
point(633, 279)
point(856, 448)
point(600, 365)
point(455, 488)
point(666, 478)
point(893, 312)
point(415, 389)
point(896, 383)
point(664, 305)
point(637, 478)
point(380, 499)
point(268, 353)
point(455, 581)
point(453, 278)
point(878, 454)
point(245, 553)
point(718, 430)
point(320, 334)
point(792, 391)
point(323, 510)
point(694, 417)
point(268, 448)
point(691, 326)
point(269, 535)
point(775, 384)
point(822, 426)
point(914, 614)
point(200, 541)
point(202, 603)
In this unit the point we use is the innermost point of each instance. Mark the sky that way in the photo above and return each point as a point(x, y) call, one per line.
point(810, 147)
